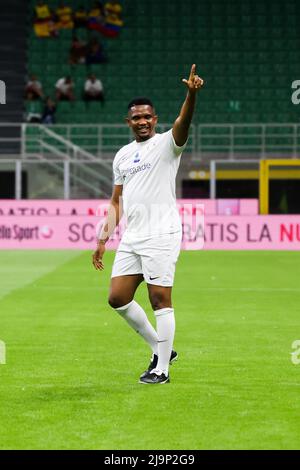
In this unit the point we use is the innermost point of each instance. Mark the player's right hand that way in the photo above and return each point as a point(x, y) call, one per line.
point(97, 258)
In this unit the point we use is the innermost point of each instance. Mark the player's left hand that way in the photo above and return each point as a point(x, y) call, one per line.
point(194, 83)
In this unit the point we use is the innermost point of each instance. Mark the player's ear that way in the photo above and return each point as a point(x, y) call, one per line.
point(127, 120)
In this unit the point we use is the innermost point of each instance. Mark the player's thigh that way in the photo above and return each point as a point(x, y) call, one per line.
point(159, 257)
point(126, 262)
point(122, 289)
point(160, 296)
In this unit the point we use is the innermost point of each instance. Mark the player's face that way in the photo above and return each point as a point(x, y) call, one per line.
point(142, 120)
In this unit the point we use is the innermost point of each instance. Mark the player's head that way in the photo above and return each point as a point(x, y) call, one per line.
point(141, 118)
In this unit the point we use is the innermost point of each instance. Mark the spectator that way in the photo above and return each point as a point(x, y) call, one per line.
point(113, 12)
point(96, 17)
point(42, 11)
point(78, 51)
point(110, 22)
point(64, 17)
point(44, 25)
point(80, 18)
point(97, 13)
point(64, 89)
point(33, 109)
point(33, 89)
point(113, 6)
point(49, 112)
point(93, 89)
point(95, 53)
point(45, 29)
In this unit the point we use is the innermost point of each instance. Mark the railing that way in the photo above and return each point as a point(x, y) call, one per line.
point(68, 179)
point(229, 141)
point(102, 141)
point(256, 140)
point(53, 145)
point(58, 153)
point(69, 176)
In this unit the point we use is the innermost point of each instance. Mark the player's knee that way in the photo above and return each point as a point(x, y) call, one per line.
point(158, 301)
point(116, 301)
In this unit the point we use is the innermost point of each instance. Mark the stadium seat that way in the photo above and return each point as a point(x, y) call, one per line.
point(237, 46)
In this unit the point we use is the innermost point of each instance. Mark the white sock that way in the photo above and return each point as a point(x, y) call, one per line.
point(165, 326)
point(138, 320)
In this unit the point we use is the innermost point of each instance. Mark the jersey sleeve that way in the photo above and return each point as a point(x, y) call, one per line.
point(118, 180)
point(174, 149)
point(177, 149)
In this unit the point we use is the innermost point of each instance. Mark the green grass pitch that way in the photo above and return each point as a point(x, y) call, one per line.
point(70, 378)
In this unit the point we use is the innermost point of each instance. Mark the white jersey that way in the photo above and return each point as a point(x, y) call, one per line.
point(147, 170)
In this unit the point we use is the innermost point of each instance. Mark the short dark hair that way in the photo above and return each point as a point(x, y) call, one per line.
point(139, 101)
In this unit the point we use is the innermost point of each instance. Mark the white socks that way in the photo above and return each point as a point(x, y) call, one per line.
point(138, 320)
point(165, 326)
point(161, 342)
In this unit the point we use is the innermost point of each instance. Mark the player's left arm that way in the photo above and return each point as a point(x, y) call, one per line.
point(182, 124)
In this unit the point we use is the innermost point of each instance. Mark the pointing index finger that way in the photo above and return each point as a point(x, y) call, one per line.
point(193, 71)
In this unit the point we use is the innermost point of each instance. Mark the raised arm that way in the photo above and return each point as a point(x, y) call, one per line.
point(182, 123)
point(112, 220)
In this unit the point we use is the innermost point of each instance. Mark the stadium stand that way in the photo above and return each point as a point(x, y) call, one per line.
point(13, 68)
point(237, 45)
point(13, 57)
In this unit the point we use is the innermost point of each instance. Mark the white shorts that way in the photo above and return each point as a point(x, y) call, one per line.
point(155, 258)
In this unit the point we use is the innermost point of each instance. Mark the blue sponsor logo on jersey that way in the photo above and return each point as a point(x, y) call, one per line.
point(136, 158)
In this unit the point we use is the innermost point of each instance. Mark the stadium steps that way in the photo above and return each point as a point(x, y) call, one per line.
point(13, 67)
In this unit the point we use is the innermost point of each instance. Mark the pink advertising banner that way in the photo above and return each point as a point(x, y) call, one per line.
point(228, 232)
point(99, 207)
